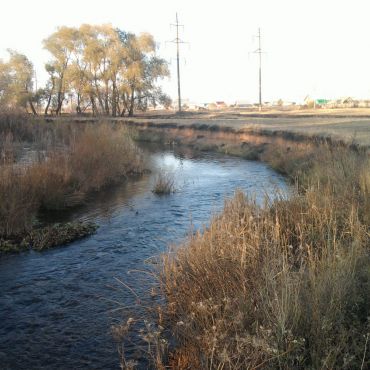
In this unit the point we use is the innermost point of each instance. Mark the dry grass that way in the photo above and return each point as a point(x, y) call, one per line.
point(279, 286)
point(75, 161)
point(20, 128)
point(18, 202)
point(164, 184)
point(97, 157)
point(345, 125)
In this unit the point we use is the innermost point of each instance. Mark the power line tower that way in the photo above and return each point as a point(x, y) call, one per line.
point(259, 52)
point(36, 88)
point(178, 41)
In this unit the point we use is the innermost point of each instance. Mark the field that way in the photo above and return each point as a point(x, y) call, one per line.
point(349, 125)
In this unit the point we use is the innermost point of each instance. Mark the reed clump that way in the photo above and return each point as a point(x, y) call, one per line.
point(164, 184)
point(284, 285)
point(18, 202)
point(71, 161)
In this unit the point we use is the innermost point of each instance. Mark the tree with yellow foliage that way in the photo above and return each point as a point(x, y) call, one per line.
point(16, 82)
point(101, 68)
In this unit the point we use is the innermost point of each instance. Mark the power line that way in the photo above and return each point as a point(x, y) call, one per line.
point(259, 52)
point(178, 41)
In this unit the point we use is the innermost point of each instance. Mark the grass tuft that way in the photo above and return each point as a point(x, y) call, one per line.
point(164, 184)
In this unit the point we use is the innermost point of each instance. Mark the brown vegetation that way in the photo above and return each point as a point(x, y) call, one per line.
point(279, 286)
point(41, 238)
point(164, 184)
point(72, 161)
point(347, 126)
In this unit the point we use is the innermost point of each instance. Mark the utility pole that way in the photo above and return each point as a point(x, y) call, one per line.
point(259, 52)
point(36, 88)
point(178, 41)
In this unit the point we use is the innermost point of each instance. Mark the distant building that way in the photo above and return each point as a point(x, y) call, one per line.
point(221, 105)
point(211, 106)
point(321, 102)
point(364, 104)
point(196, 106)
point(184, 104)
point(243, 104)
point(315, 103)
point(346, 102)
point(288, 103)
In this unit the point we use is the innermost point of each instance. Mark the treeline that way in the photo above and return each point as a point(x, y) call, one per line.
point(99, 68)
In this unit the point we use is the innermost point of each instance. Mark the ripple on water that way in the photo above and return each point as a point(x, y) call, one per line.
point(55, 307)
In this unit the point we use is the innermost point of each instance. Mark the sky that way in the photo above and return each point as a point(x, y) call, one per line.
point(319, 48)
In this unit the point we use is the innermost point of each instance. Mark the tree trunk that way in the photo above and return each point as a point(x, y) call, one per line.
point(48, 104)
point(93, 105)
point(60, 95)
point(58, 111)
point(32, 108)
point(106, 99)
point(50, 95)
point(100, 100)
point(132, 101)
point(114, 99)
point(78, 108)
point(98, 95)
point(118, 108)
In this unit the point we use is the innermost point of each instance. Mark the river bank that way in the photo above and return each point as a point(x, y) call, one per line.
point(272, 282)
point(51, 166)
point(69, 298)
point(279, 285)
point(271, 136)
point(350, 126)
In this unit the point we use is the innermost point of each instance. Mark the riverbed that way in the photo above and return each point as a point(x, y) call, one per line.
point(57, 307)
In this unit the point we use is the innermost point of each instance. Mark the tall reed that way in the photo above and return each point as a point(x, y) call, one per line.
point(73, 161)
point(279, 286)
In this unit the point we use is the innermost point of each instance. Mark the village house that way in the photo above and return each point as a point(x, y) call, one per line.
point(346, 102)
point(364, 104)
point(221, 105)
point(243, 104)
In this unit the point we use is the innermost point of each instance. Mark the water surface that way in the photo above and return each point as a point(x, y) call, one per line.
point(57, 307)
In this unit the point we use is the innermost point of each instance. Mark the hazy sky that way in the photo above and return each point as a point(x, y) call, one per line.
point(316, 47)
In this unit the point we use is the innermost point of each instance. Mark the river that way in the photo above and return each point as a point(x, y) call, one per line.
point(57, 307)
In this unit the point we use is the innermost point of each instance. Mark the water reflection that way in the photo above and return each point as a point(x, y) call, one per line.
point(56, 307)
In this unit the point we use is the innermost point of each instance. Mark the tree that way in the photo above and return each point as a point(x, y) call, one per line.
point(61, 44)
point(50, 86)
point(16, 82)
point(4, 82)
point(98, 66)
point(140, 71)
